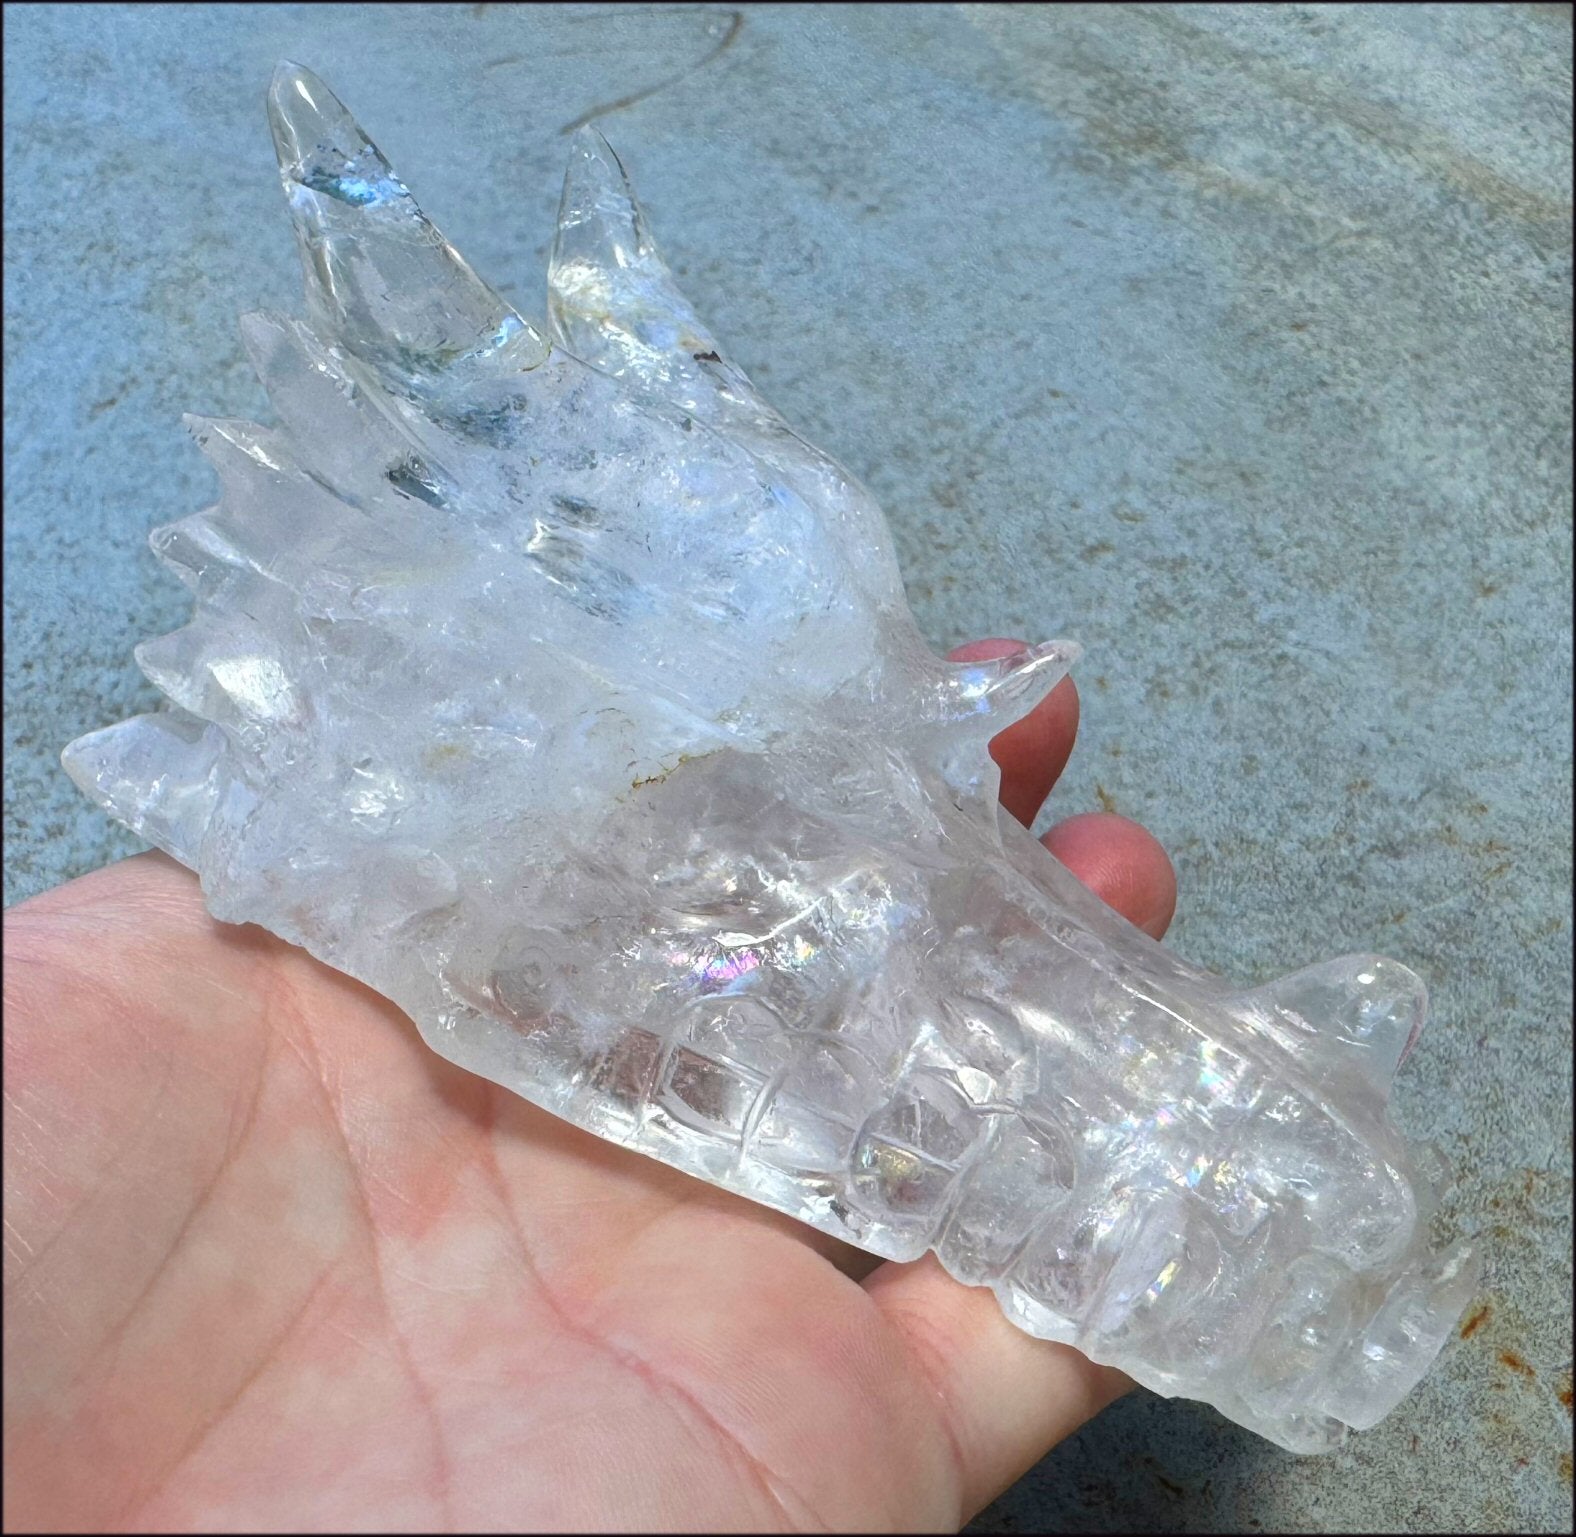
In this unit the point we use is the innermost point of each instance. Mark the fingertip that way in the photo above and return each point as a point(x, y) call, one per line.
point(1122, 863)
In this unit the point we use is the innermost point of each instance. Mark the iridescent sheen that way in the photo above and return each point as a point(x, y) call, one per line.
point(553, 686)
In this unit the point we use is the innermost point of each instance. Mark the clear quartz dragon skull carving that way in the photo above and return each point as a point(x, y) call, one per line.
point(554, 687)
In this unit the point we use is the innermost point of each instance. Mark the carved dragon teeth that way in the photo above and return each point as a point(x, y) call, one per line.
point(572, 625)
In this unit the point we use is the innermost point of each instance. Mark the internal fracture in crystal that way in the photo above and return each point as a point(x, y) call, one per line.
point(551, 685)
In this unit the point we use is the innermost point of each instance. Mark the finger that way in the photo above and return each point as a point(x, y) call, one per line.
point(1032, 752)
point(1122, 864)
point(1005, 1397)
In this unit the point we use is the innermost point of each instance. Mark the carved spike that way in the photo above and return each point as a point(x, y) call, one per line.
point(385, 283)
point(158, 773)
point(301, 376)
point(219, 676)
point(600, 220)
point(314, 403)
point(255, 464)
point(612, 301)
point(200, 554)
point(336, 415)
point(272, 507)
point(237, 448)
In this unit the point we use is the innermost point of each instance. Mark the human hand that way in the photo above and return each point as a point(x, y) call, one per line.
point(273, 1264)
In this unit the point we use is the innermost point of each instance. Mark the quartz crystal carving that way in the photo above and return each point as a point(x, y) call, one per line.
point(554, 687)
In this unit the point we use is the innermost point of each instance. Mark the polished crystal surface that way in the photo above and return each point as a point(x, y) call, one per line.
point(554, 687)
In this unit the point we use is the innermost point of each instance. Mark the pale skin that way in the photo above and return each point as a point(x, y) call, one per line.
point(272, 1264)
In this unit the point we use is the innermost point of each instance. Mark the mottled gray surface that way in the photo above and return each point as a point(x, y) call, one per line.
point(1232, 340)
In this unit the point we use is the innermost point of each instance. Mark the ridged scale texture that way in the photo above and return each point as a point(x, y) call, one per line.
point(556, 689)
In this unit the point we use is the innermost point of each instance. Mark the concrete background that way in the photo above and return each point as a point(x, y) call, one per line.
point(1232, 340)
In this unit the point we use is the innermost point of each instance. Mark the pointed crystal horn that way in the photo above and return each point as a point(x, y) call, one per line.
point(379, 276)
point(159, 773)
point(200, 554)
point(225, 672)
point(237, 448)
point(345, 431)
point(612, 301)
point(997, 692)
point(599, 218)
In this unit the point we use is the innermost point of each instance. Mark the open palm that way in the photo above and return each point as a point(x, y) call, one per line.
point(272, 1264)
